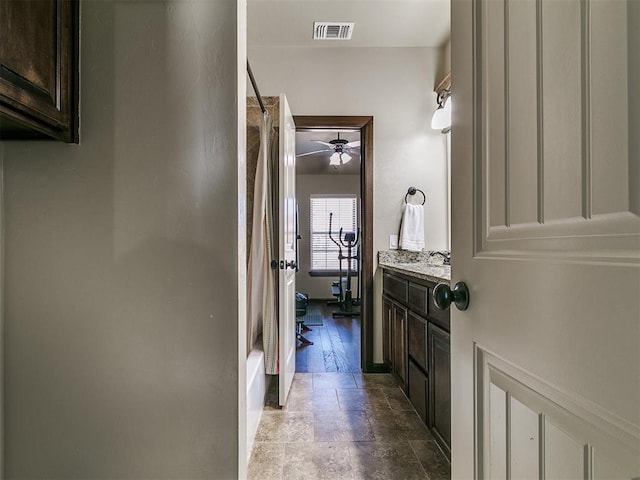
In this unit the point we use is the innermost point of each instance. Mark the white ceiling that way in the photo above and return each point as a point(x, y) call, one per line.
point(378, 23)
point(318, 164)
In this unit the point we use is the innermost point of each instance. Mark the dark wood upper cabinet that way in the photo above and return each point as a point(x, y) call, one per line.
point(39, 69)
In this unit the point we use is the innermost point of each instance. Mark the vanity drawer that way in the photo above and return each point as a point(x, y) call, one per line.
point(417, 340)
point(418, 298)
point(437, 316)
point(395, 287)
point(419, 391)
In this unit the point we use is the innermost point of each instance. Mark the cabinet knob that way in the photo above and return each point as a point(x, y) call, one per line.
point(443, 296)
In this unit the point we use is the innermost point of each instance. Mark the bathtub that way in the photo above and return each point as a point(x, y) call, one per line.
point(257, 382)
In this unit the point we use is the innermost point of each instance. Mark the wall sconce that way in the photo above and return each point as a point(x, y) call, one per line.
point(441, 119)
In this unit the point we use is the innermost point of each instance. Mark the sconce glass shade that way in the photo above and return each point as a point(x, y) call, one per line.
point(442, 116)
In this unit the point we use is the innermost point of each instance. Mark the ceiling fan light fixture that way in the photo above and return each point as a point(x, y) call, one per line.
point(334, 159)
point(345, 158)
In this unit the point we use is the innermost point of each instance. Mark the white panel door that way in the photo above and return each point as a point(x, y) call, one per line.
point(546, 234)
point(287, 250)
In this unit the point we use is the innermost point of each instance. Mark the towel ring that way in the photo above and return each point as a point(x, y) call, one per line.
point(412, 191)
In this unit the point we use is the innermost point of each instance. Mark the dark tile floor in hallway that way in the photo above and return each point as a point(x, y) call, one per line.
point(344, 425)
point(339, 423)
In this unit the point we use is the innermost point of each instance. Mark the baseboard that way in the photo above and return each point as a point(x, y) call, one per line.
point(376, 368)
point(332, 299)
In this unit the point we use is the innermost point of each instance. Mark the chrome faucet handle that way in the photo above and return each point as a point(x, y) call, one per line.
point(446, 256)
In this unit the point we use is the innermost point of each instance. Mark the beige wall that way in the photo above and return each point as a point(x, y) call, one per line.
point(307, 185)
point(121, 275)
point(633, 40)
point(395, 86)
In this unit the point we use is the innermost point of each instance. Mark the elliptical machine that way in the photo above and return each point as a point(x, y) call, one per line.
point(343, 294)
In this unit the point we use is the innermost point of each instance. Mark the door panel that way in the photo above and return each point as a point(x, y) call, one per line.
point(287, 247)
point(564, 151)
point(538, 431)
point(546, 236)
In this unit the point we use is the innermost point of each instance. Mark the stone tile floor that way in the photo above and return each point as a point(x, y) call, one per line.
point(344, 426)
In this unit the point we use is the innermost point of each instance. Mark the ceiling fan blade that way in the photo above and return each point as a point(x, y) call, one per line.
point(312, 153)
point(353, 144)
point(323, 143)
point(353, 151)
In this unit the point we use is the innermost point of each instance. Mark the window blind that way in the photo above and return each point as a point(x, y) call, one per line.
point(324, 253)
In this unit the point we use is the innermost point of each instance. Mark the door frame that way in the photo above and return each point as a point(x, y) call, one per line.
point(365, 125)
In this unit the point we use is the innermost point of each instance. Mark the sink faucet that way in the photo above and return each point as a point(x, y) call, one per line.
point(446, 256)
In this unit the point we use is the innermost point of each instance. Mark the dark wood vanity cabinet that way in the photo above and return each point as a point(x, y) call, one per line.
point(416, 349)
point(400, 342)
point(387, 332)
point(39, 69)
point(394, 334)
point(440, 383)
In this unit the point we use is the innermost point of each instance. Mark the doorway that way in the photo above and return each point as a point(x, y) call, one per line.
point(363, 125)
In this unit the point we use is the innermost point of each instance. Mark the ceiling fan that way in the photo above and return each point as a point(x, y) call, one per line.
point(340, 148)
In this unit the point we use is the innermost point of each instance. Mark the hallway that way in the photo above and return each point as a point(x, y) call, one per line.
point(344, 426)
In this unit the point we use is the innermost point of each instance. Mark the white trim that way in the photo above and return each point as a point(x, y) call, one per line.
point(447, 146)
point(241, 105)
point(2, 237)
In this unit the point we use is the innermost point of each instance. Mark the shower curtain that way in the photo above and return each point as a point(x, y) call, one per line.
point(263, 313)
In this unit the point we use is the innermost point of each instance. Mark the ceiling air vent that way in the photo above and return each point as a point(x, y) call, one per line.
point(332, 30)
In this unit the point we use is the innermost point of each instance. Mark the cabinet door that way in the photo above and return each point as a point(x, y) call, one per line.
point(387, 328)
point(400, 342)
point(417, 340)
point(418, 390)
point(440, 387)
point(38, 69)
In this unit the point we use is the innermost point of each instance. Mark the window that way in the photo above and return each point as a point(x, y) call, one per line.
point(324, 253)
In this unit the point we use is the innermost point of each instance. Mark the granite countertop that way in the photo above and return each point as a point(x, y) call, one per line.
point(422, 265)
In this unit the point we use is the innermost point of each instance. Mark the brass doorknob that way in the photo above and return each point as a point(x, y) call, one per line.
point(443, 296)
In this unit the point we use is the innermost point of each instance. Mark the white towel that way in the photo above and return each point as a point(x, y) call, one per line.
point(412, 228)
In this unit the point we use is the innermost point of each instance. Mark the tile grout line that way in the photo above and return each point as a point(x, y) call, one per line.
point(415, 454)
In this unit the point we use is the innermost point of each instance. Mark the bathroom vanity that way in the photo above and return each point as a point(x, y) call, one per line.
point(416, 338)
